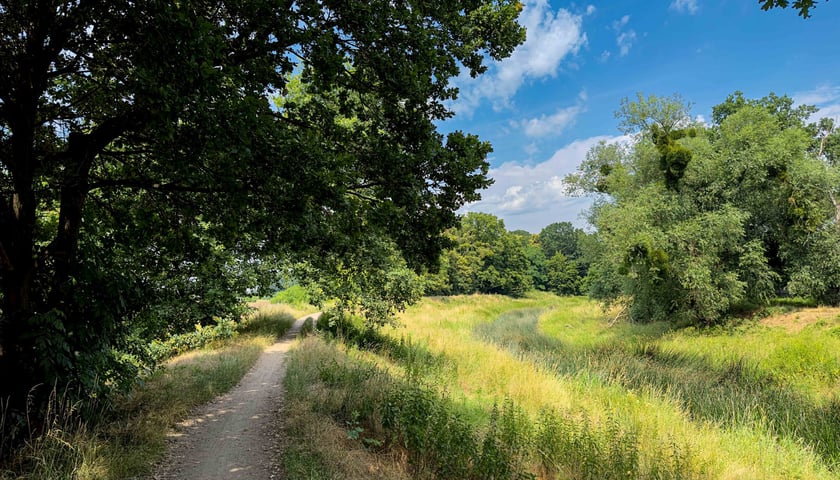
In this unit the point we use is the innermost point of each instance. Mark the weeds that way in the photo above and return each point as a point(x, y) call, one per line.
point(734, 393)
point(392, 414)
point(125, 440)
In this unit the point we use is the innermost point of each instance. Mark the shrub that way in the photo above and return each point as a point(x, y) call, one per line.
point(201, 337)
point(294, 295)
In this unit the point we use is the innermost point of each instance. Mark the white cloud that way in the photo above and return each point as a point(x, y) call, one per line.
point(620, 23)
point(625, 41)
point(552, 36)
point(684, 6)
point(531, 149)
point(531, 197)
point(822, 94)
point(590, 9)
point(552, 124)
point(624, 38)
point(826, 97)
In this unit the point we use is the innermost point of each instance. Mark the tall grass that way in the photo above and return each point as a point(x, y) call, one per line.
point(390, 400)
point(732, 394)
point(126, 440)
point(662, 421)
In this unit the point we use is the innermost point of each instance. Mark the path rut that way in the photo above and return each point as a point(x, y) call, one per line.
point(235, 436)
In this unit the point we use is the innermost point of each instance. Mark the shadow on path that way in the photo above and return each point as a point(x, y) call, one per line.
point(234, 436)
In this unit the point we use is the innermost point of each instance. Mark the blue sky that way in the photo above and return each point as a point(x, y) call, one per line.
point(553, 99)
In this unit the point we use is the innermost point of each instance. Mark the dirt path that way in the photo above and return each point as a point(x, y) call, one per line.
point(235, 436)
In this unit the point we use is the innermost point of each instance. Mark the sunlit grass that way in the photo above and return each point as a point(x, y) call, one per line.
point(128, 440)
point(316, 445)
point(487, 372)
point(749, 400)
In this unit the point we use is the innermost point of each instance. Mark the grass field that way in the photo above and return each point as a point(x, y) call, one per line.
point(547, 387)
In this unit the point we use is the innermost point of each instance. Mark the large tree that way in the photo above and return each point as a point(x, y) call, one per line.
point(694, 221)
point(143, 168)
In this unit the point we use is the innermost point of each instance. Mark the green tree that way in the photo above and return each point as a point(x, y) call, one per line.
point(536, 257)
point(144, 171)
point(749, 212)
point(561, 237)
point(562, 275)
point(485, 258)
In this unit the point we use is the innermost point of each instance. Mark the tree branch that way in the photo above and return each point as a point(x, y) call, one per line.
point(155, 185)
point(364, 197)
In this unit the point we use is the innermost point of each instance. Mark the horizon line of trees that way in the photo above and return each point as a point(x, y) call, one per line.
point(487, 258)
point(691, 221)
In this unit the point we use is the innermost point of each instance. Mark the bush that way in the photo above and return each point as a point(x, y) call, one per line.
point(294, 295)
point(201, 337)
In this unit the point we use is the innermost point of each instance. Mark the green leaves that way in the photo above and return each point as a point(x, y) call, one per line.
point(484, 258)
point(154, 181)
point(725, 215)
point(804, 7)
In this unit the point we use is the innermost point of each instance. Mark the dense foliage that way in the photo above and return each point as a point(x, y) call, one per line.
point(486, 258)
point(695, 220)
point(146, 178)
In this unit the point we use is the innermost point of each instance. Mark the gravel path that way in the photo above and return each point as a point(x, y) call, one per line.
point(235, 436)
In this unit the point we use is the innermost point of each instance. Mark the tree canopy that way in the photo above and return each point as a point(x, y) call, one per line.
point(146, 176)
point(484, 258)
point(749, 210)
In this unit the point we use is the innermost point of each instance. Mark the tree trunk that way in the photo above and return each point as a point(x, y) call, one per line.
point(18, 364)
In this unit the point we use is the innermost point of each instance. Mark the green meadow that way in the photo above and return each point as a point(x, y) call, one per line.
point(552, 387)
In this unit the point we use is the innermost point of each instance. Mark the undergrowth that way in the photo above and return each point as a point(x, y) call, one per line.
point(735, 393)
point(126, 436)
point(386, 412)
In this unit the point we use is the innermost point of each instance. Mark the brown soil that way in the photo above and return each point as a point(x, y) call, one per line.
point(794, 322)
point(236, 435)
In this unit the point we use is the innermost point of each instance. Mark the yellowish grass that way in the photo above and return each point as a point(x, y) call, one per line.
point(795, 321)
point(487, 373)
point(338, 456)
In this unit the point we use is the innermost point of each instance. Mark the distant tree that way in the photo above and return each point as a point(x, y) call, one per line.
point(562, 276)
point(560, 237)
point(485, 258)
point(536, 257)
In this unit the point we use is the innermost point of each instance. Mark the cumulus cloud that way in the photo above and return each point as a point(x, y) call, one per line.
point(532, 196)
point(684, 6)
point(551, 124)
point(552, 36)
